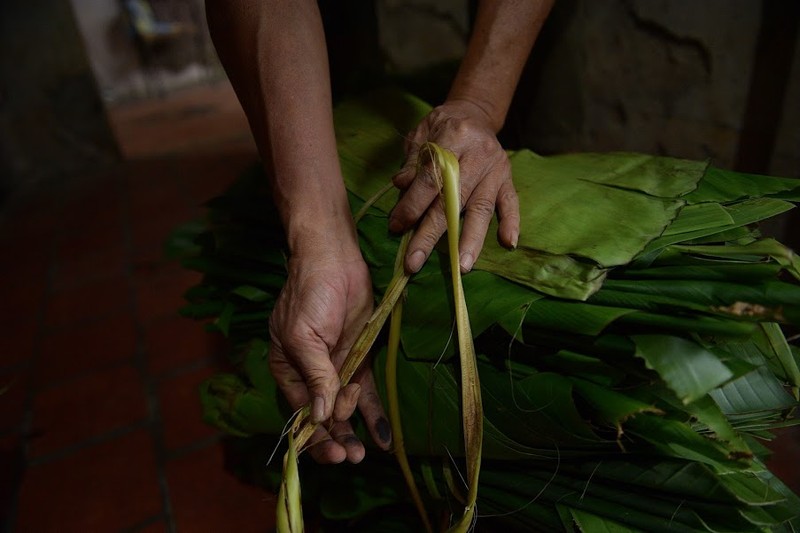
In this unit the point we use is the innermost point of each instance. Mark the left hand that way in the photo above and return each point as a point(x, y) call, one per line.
point(465, 129)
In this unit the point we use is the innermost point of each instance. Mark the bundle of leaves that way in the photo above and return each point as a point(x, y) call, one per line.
point(631, 351)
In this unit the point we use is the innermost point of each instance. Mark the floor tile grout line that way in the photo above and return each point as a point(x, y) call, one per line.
point(195, 446)
point(27, 425)
point(71, 449)
point(87, 373)
point(158, 379)
point(150, 388)
point(84, 322)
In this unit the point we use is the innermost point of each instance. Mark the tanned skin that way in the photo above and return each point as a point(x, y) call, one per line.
point(275, 55)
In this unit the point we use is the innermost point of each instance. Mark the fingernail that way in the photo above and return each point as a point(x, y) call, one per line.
point(416, 260)
point(514, 237)
point(384, 430)
point(467, 261)
point(318, 410)
point(394, 225)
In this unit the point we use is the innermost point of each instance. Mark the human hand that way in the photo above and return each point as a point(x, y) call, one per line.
point(465, 129)
point(322, 308)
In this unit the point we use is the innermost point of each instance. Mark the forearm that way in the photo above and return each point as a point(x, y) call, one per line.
point(504, 33)
point(275, 55)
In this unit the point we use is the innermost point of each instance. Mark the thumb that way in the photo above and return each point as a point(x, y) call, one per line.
point(302, 379)
point(321, 378)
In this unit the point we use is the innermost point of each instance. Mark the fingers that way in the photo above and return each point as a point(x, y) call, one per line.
point(508, 215)
point(415, 138)
point(335, 444)
point(428, 233)
point(418, 197)
point(338, 442)
point(308, 379)
point(478, 213)
point(369, 403)
point(477, 217)
point(480, 209)
point(346, 402)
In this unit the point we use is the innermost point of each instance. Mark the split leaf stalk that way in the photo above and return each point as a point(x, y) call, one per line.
point(445, 166)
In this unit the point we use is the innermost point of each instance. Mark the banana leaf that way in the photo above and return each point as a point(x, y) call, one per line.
point(626, 372)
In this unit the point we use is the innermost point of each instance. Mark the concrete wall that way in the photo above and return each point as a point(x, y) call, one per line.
point(667, 77)
point(657, 76)
point(124, 70)
point(52, 121)
point(417, 34)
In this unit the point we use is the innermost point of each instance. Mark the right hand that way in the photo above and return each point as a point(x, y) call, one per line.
point(320, 312)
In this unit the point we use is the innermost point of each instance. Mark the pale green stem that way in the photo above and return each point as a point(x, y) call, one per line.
point(358, 353)
point(392, 351)
point(289, 515)
point(471, 405)
point(371, 201)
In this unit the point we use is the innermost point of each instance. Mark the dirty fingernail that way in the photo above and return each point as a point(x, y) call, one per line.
point(514, 238)
point(384, 430)
point(416, 260)
point(318, 410)
point(467, 261)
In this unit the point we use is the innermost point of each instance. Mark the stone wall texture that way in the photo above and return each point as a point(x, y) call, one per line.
point(667, 77)
point(52, 120)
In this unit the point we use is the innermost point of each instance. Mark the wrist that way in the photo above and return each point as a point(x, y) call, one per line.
point(482, 111)
point(321, 234)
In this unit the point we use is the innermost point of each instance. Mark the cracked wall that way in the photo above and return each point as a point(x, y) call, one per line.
point(666, 77)
point(655, 76)
point(418, 34)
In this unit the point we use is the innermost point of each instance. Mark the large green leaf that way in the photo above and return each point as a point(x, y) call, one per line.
point(720, 185)
point(428, 329)
point(369, 135)
point(637, 408)
point(620, 186)
point(634, 198)
point(556, 275)
point(742, 213)
point(686, 367)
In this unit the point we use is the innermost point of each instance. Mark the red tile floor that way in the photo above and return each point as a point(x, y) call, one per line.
point(100, 423)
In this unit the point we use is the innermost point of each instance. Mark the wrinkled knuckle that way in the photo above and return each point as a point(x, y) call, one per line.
point(446, 123)
point(436, 114)
point(318, 379)
point(463, 128)
point(481, 206)
point(504, 165)
point(427, 175)
point(489, 144)
point(293, 338)
point(371, 397)
point(430, 237)
point(508, 195)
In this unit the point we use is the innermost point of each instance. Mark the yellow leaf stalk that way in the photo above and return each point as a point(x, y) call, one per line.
point(392, 350)
point(446, 167)
point(289, 514)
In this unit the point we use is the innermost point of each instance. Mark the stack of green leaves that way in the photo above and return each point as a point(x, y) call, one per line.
point(630, 350)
